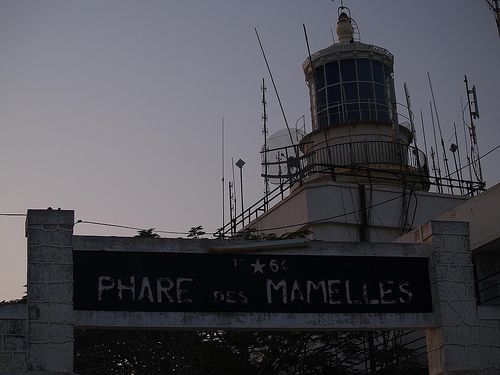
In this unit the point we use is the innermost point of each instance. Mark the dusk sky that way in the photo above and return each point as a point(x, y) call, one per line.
point(113, 108)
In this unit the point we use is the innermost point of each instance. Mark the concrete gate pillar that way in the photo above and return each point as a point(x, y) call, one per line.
point(50, 291)
point(458, 346)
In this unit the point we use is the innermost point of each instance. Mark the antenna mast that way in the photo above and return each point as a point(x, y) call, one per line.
point(445, 158)
point(223, 187)
point(264, 132)
point(438, 174)
point(474, 148)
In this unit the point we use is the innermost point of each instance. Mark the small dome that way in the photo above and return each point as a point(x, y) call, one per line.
point(345, 31)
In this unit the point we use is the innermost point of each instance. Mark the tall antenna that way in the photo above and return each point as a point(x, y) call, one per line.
point(474, 114)
point(445, 158)
point(223, 183)
point(231, 207)
point(410, 115)
point(455, 146)
point(274, 85)
point(495, 7)
point(264, 132)
point(466, 133)
point(423, 132)
point(314, 83)
point(234, 194)
point(438, 179)
point(438, 170)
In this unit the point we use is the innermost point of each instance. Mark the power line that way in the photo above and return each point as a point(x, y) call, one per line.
point(129, 227)
point(475, 160)
point(11, 214)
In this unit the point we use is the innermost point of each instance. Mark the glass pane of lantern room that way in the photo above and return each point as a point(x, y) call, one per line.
point(333, 94)
point(319, 77)
point(378, 71)
point(332, 73)
point(347, 70)
point(364, 68)
point(350, 92)
point(321, 100)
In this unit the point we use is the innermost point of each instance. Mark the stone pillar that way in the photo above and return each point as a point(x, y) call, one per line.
point(456, 347)
point(50, 290)
point(13, 343)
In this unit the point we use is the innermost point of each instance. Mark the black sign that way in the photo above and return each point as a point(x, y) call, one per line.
point(193, 282)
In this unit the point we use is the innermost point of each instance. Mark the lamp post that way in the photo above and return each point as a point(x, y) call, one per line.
point(240, 163)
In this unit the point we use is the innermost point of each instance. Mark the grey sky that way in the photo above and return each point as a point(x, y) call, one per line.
point(113, 108)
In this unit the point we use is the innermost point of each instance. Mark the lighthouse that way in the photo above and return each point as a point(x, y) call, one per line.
point(358, 174)
point(357, 135)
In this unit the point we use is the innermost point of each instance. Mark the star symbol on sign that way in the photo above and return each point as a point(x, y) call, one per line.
point(258, 267)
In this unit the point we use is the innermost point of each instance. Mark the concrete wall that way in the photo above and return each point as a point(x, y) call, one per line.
point(50, 291)
point(331, 200)
point(37, 338)
point(467, 338)
point(483, 214)
point(13, 338)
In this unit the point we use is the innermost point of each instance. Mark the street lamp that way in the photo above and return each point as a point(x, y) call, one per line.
point(240, 163)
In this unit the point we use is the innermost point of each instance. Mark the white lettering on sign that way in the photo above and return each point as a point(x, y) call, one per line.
point(406, 295)
point(230, 296)
point(146, 286)
point(181, 292)
point(161, 289)
point(104, 283)
point(177, 290)
point(315, 286)
point(334, 292)
point(281, 285)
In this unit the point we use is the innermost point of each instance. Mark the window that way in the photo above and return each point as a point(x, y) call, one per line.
point(319, 77)
point(351, 90)
point(332, 73)
point(347, 70)
point(364, 69)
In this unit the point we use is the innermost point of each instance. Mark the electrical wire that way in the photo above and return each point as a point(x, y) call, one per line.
point(131, 228)
point(475, 160)
point(265, 229)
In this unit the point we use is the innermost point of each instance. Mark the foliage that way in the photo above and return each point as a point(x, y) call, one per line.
point(147, 233)
point(253, 234)
point(196, 232)
point(230, 352)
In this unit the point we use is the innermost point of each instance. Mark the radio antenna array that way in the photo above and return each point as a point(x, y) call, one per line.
point(264, 132)
point(474, 147)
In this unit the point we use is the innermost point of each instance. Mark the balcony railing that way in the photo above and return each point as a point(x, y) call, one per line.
point(288, 163)
point(287, 166)
point(488, 289)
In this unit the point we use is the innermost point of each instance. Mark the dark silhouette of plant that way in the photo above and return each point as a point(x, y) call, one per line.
point(196, 232)
point(147, 233)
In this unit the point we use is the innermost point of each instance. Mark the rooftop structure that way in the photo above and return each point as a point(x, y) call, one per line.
point(361, 136)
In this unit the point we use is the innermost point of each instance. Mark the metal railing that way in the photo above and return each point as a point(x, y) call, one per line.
point(374, 154)
point(286, 166)
point(488, 289)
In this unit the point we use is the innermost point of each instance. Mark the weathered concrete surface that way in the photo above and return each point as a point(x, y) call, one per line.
point(13, 338)
point(462, 338)
point(50, 290)
point(316, 321)
point(254, 321)
point(467, 340)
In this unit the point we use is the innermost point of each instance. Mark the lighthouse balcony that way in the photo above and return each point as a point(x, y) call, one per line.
point(377, 162)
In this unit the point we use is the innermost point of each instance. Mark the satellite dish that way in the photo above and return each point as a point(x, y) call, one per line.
point(281, 155)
